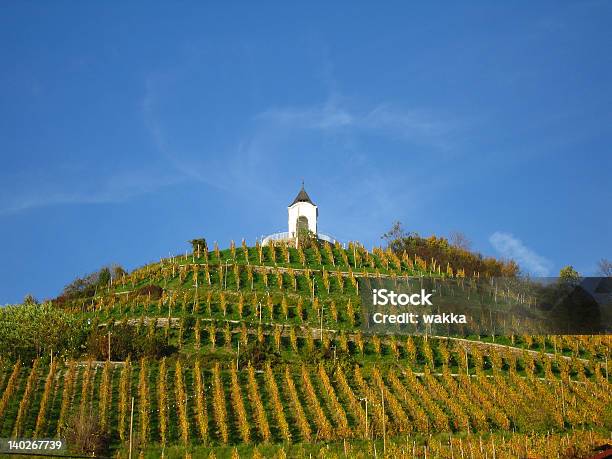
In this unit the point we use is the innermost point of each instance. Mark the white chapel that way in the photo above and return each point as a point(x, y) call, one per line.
point(303, 214)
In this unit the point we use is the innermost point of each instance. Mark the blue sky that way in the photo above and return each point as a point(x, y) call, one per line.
point(128, 128)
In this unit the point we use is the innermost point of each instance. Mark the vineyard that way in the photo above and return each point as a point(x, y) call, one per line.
point(264, 357)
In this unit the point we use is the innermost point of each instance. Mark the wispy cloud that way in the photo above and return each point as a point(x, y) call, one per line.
point(30, 201)
point(188, 165)
point(344, 144)
point(256, 155)
point(113, 189)
point(281, 144)
point(411, 125)
point(326, 116)
point(511, 247)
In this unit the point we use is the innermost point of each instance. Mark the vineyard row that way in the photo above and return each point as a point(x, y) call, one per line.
point(180, 402)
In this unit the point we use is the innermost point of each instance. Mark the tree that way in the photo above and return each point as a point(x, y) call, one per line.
point(198, 244)
point(104, 276)
point(569, 274)
point(30, 299)
point(31, 329)
point(410, 245)
point(85, 287)
point(605, 267)
point(460, 240)
point(395, 233)
point(306, 238)
point(117, 271)
point(127, 341)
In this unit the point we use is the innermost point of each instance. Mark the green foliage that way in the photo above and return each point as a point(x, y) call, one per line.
point(569, 274)
point(104, 276)
point(29, 299)
point(29, 330)
point(176, 403)
point(607, 417)
point(259, 354)
point(306, 238)
point(445, 253)
point(128, 341)
point(85, 287)
point(198, 245)
point(153, 292)
point(331, 358)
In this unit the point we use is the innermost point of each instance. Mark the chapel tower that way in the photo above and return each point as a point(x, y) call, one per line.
point(303, 214)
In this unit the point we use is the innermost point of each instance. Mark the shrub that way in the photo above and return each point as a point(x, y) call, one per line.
point(127, 340)
point(29, 330)
point(439, 249)
point(259, 354)
point(155, 291)
point(84, 434)
point(85, 287)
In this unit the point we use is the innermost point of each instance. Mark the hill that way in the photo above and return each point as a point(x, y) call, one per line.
point(258, 352)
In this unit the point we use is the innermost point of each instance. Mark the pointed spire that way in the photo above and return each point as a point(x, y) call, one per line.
point(302, 196)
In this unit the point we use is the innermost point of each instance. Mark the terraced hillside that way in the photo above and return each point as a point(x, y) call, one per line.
point(260, 354)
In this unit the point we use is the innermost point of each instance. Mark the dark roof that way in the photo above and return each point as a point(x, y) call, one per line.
point(302, 196)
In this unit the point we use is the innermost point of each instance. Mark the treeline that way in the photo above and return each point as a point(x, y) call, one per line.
point(30, 330)
point(444, 253)
point(87, 286)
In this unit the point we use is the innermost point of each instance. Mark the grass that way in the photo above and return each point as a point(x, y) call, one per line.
point(331, 358)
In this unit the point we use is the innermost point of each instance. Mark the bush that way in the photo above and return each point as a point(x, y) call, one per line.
point(445, 253)
point(307, 239)
point(127, 341)
point(258, 355)
point(330, 360)
point(154, 291)
point(85, 287)
point(30, 330)
point(84, 434)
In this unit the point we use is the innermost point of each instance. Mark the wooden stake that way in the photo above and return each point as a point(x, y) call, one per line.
point(321, 338)
point(384, 424)
point(366, 420)
point(131, 427)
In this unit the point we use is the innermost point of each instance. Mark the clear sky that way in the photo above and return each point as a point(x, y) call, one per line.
point(128, 128)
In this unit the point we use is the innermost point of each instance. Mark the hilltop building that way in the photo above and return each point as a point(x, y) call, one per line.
point(303, 215)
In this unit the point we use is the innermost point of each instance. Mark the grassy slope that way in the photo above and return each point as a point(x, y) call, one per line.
point(578, 388)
